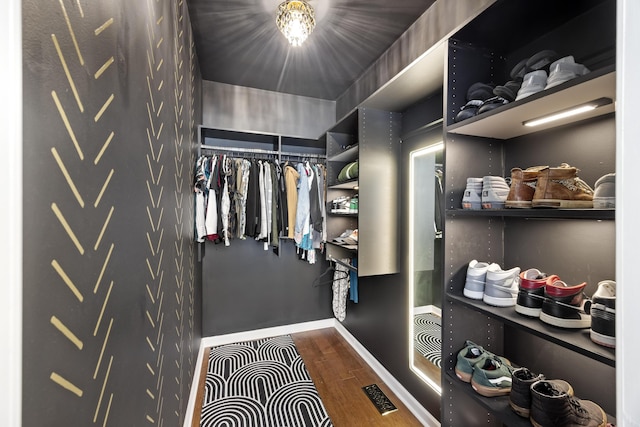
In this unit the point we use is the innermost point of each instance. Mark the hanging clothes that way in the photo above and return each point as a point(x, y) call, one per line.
point(236, 197)
point(211, 219)
point(302, 211)
point(340, 287)
point(253, 200)
point(291, 177)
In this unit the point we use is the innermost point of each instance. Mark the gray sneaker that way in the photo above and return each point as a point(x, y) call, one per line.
point(501, 287)
point(472, 198)
point(476, 276)
point(604, 194)
point(494, 192)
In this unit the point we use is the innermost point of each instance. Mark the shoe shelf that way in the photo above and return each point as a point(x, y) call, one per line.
point(497, 406)
point(506, 122)
point(347, 185)
point(350, 154)
point(351, 214)
point(348, 247)
point(542, 213)
point(574, 339)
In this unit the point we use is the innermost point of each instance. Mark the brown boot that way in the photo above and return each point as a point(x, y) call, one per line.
point(553, 407)
point(561, 188)
point(523, 186)
point(520, 396)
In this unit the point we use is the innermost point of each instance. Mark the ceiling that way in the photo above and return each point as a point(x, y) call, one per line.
point(238, 43)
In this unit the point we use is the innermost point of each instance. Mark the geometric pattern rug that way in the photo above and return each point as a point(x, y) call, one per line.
point(428, 337)
point(261, 383)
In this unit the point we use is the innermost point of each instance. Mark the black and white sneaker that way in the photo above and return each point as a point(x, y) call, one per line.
point(603, 314)
point(565, 306)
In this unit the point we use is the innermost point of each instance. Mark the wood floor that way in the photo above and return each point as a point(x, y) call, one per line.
point(339, 374)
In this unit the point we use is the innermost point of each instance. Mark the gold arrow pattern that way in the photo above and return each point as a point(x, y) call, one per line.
point(116, 279)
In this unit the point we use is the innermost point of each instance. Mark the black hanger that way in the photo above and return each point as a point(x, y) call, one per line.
point(316, 282)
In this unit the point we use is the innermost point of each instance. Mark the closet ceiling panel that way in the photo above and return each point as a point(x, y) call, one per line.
point(237, 43)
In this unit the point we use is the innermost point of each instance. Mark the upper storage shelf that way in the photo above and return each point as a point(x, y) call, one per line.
point(508, 121)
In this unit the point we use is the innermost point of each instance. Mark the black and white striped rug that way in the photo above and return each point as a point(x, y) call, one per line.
point(428, 337)
point(262, 383)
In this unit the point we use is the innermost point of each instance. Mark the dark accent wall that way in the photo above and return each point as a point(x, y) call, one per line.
point(112, 289)
point(247, 288)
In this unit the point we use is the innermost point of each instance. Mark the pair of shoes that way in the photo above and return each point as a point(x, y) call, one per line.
point(552, 300)
point(544, 186)
point(345, 204)
point(560, 71)
point(488, 192)
point(490, 283)
point(489, 374)
point(552, 406)
point(603, 314)
point(520, 396)
point(604, 194)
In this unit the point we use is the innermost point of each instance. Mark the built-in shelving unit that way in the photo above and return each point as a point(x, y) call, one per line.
point(506, 122)
point(370, 137)
point(576, 244)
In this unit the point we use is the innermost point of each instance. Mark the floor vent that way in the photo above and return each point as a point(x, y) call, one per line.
point(379, 399)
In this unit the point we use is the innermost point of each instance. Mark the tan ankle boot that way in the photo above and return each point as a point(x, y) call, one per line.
point(560, 187)
point(523, 186)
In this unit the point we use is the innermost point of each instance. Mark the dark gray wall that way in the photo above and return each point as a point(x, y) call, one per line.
point(111, 286)
point(247, 288)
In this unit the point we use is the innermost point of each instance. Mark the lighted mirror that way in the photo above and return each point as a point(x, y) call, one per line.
point(425, 255)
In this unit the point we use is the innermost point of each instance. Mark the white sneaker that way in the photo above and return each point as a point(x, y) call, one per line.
point(501, 288)
point(603, 314)
point(564, 69)
point(476, 275)
point(533, 82)
point(472, 198)
point(495, 191)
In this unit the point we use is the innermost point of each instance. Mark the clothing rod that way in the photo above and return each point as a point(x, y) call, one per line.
point(345, 264)
point(261, 151)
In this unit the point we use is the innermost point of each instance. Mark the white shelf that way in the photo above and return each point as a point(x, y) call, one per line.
point(507, 122)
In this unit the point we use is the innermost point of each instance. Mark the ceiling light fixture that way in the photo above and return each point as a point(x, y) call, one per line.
point(296, 20)
point(579, 109)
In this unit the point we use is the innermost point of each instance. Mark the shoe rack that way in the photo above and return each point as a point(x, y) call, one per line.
point(576, 244)
point(372, 137)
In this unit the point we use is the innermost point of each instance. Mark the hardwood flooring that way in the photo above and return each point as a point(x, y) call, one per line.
point(339, 374)
point(428, 368)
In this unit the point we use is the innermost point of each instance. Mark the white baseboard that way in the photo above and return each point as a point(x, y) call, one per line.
point(425, 309)
point(398, 389)
point(407, 399)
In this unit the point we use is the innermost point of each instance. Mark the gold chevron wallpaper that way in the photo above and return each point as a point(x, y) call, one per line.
point(112, 315)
